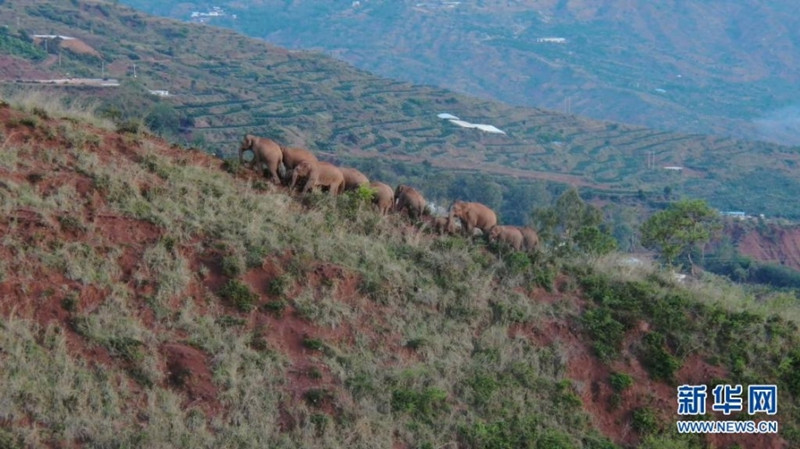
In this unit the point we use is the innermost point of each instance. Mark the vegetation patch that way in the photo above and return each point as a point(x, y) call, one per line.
point(239, 295)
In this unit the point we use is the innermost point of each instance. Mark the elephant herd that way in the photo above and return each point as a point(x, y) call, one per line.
point(269, 158)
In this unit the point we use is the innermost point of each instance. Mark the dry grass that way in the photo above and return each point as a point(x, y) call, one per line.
point(428, 357)
point(47, 103)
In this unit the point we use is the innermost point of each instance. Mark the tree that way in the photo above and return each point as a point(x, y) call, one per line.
point(573, 226)
point(679, 229)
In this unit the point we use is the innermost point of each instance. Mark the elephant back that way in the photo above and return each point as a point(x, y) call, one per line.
point(353, 178)
point(293, 156)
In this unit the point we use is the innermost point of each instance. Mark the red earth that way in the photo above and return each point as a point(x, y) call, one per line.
point(43, 294)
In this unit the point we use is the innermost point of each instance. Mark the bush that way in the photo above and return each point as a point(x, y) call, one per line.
point(317, 396)
point(620, 381)
point(279, 286)
point(314, 344)
point(131, 126)
point(660, 364)
point(275, 307)
point(232, 165)
point(645, 421)
point(239, 295)
point(605, 332)
point(425, 404)
point(516, 431)
point(232, 265)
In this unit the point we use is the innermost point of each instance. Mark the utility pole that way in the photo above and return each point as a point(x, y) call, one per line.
point(103, 69)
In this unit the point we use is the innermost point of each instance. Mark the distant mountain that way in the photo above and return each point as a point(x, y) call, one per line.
point(710, 67)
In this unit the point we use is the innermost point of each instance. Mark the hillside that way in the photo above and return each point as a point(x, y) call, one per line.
point(223, 85)
point(150, 298)
point(708, 67)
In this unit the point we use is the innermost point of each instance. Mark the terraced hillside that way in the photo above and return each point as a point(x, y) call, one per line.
point(149, 298)
point(223, 85)
point(701, 66)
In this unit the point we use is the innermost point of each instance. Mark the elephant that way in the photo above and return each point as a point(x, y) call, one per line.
point(265, 151)
point(510, 235)
point(530, 239)
point(408, 198)
point(383, 196)
point(444, 225)
point(473, 215)
point(319, 173)
point(292, 157)
point(353, 178)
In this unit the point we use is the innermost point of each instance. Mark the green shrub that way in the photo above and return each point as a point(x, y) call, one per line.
point(790, 372)
point(70, 302)
point(320, 422)
point(509, 432)
point(565, 395)
point(275, 307)
point(239, 295)
point(314, 344)
point(645, 421)
point(230, 321)
point(232, 265)
point(125, 347)
point(9, 441)
point(317, 396)
point(425, 404)
point(130, 126)
point(279, 286)
point(658, 362)
point(517, 262)
point(483, 387)
point(604, 331)
point(553, 439)
point(232, 165)
point(416, 343)
point(255, 255)
point(620, 381)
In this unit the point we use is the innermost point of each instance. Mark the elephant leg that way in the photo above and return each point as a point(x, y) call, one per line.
point(273, 172)
point(282, 173)
point(467, 225)
point(309, 185)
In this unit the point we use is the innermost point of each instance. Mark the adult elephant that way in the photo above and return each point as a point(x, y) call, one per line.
point(319, 174)
point(265, 151)
point(353, 178)
point(292, 157)
point(383, 196)
point(473, 215)
point(410, 199)
point(509, 235)
point(530, 239)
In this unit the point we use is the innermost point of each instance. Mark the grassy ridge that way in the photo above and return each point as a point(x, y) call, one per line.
point(314, 322)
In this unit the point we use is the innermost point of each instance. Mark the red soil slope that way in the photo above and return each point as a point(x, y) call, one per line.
point(37, 292)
